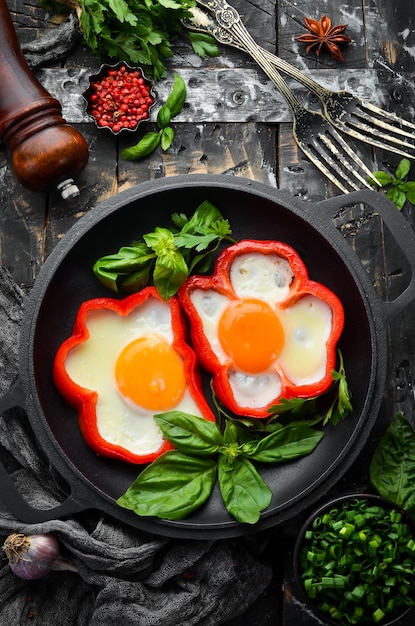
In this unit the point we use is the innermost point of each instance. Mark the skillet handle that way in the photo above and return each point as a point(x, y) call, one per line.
point(10, 495)
point(398, 227)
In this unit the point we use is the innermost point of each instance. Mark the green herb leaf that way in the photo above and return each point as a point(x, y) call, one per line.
point(204, 216)
point(392, 469)
point(244, 492)
point(132, 265)
point(383, 177)
point(410, 193)
point(203, 44)
point(171, 487)
point(160, 240)
point(342, 405)
point(169, 273)
point(189, 433)
point(177, 96)
point(167, 137)
point(163, 116)
point(396, 196)
point(295, 407)
point(136, 31)
point(315, 409)
point(166, 256)
point(403, 169)
point(143, 148)
point(398, 189)
point(287, 443)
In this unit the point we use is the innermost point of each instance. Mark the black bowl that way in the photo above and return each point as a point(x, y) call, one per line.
point(347, 502)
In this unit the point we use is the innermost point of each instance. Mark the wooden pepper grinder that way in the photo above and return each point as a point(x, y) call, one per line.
point(45, 151)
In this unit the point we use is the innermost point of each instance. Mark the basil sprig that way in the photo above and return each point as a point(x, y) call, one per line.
point(181, 480)
point(167, 256)
point(165, 135)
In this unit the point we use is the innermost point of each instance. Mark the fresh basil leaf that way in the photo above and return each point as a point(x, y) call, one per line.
point(189, 433)
point(143, 148)
point(403, 169)
point(111, 269)
point(244, 492)
point(177, 96)
point(163, 116)
point(383, 178)
point(410, 193)
point(135, 281)
point(396, 196)
point(160, 240)
point(230, 434)
point(170, 272)
point(392, 468)
point(171, 487)
point(287, 443)
point(167, 137)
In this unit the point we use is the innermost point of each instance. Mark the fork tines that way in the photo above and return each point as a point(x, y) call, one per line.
point(386, 127)
point(336, 159)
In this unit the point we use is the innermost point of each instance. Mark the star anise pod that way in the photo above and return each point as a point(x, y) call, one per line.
point(323, 35)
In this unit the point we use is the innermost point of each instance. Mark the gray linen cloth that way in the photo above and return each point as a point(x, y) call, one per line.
point(124, 575)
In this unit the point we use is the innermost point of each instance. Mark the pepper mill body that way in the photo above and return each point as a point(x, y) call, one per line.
point(45, 151)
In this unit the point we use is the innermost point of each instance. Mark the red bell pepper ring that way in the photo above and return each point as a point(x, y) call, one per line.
point(85, 400)
point(221, 367)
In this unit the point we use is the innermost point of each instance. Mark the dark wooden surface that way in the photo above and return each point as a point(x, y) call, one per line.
point(235, 123)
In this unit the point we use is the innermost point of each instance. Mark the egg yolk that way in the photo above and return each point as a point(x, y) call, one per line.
point(251, 334)
point(150, 373)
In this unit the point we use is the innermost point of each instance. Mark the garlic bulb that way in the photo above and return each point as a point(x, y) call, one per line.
point(33, 557)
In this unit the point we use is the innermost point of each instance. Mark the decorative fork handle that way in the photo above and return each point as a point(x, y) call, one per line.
point(227, 27)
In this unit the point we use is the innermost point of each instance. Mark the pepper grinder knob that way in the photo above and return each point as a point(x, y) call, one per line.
point(45, 151)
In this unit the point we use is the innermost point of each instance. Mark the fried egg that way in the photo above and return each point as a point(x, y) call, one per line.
point(132, 365)
point(267, 338)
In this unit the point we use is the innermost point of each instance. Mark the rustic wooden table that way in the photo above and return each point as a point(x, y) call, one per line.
point(235, 123)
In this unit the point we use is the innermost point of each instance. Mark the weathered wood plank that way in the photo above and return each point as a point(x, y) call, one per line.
point(22, 236)
point(233, 149)
point(230, 95)
point(96, 183)
point(291, 16)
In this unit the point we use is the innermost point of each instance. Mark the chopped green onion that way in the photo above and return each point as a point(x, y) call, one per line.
point(357, 563)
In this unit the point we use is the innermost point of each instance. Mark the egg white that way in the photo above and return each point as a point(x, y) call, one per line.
point(254, 390)
point(92, 364)
point(266, 277)
point(307, 325)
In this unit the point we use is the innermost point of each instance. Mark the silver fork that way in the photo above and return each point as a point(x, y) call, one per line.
point(346, 111)
point(314, 135)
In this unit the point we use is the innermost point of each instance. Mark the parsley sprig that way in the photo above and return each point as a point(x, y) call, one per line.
point(140, 32)
point(398, 188)
point(166, 256)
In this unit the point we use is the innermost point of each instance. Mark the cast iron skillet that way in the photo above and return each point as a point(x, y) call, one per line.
point(255, 211)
